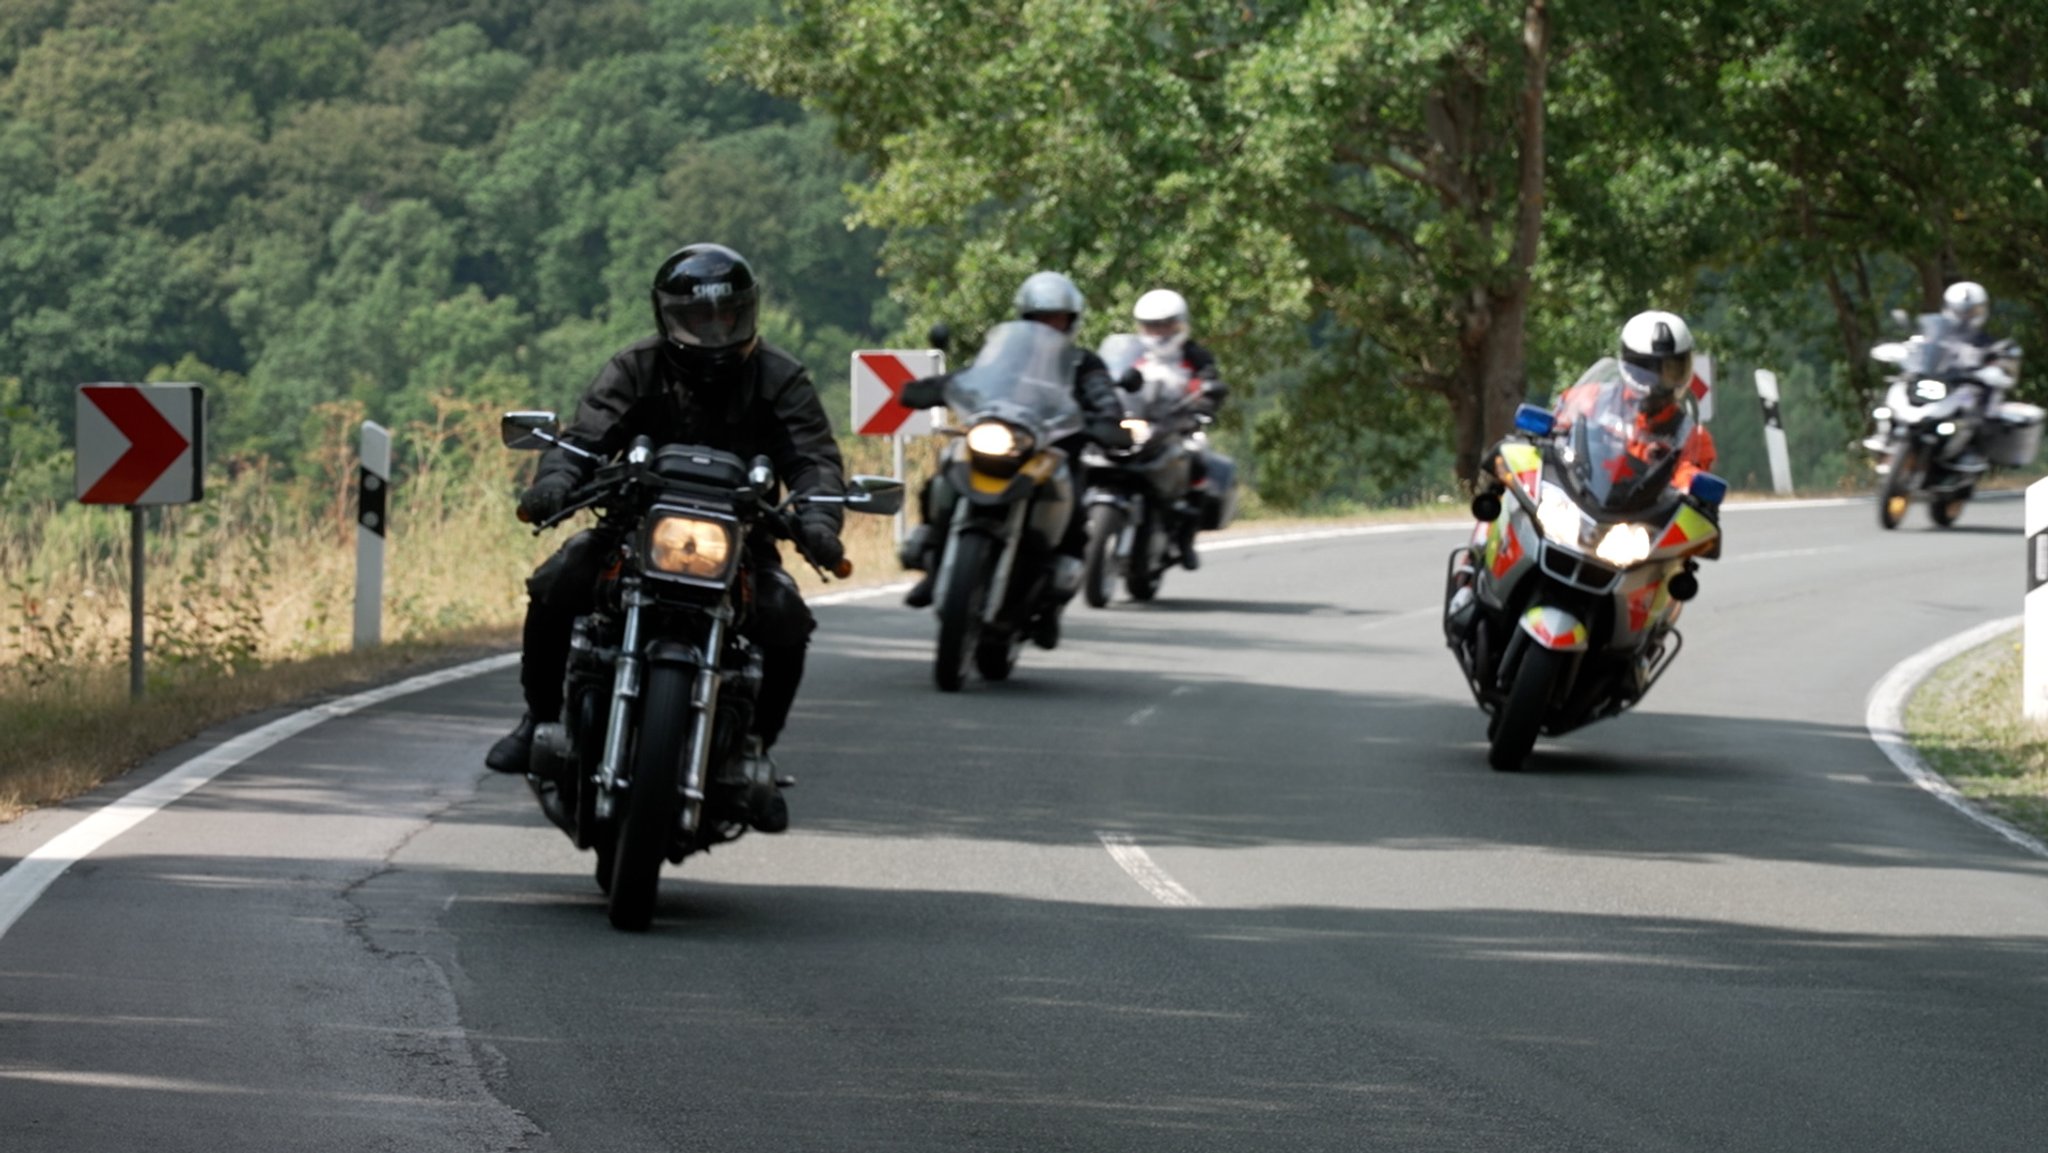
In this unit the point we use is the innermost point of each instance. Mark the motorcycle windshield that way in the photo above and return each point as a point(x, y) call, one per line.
point(1624, 435)
point(1120, 350)
point(1926, 356)
point(1024, 376)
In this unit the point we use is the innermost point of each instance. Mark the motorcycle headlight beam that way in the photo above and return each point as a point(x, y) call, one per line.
point(1624, 545)
point(1560, 519)
point(1140, 430)
point(1930, 390)
point(994, 438)
point(688, 546)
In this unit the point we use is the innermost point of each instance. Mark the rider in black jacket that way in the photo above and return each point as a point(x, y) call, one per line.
point(1050, 299)
point(706, 378)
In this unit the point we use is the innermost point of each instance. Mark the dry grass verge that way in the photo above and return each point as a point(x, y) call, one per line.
point(67, 736)
point(1966, 721)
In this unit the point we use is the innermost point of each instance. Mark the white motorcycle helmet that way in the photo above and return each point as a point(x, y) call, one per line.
point(1046, 294)
point(1661, 343)
point(1162, 316)
point(1966, 304)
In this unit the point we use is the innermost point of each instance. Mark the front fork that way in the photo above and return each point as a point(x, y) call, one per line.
point(1013, 535)
point(627, 683)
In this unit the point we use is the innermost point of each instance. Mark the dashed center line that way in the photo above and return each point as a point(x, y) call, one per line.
point(1142, 715)
point(1144, 870)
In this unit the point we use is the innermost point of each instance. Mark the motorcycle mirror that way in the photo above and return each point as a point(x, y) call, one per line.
point(1900, 318)
point(881, 495)
point(527, 430)
point(940, 336)
point(1486, 507)
point(761, 474)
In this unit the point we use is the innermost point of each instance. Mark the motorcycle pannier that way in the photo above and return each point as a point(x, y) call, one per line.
point(2012, 437)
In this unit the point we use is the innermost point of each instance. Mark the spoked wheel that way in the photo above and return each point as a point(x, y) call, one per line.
point(653, 802)
point(1897, 494)
point(1140, 578)
point(966, 597)
point(1947, 510)
point(1519, 717)
point(1104, 524)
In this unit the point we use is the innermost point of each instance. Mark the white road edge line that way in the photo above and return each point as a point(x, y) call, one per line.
point(1884, 715)
point(1144, 870)
point(22, 884)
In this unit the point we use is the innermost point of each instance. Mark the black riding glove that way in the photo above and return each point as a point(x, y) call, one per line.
point(546, 497)
point(1108, 434)
point(1132, 380)
point(821, 544)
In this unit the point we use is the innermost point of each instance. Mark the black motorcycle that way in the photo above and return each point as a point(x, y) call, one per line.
point(646, 762)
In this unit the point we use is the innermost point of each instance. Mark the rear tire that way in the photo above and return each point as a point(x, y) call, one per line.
point(1104, 525)
point(965, 598)
point(1141, 580)
point(1895, 497)
point(652, 803)
point(1521, 714)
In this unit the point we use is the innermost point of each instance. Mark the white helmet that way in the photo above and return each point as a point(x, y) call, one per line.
point(1966, 304)
point(1162, 316)
point(1044, 292)
point(1661, 343)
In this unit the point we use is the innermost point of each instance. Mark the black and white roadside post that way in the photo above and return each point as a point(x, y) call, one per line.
point(140, 445)
point(1774, 432)
point(2034, 634)
point(373, 520)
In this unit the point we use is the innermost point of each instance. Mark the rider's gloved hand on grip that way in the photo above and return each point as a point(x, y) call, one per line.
point(1108, 434)
point(546, 497)
point(821, 545)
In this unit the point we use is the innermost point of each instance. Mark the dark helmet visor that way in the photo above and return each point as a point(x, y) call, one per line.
point(708, 321)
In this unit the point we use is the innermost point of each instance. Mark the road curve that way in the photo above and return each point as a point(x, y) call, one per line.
point(1227, 871)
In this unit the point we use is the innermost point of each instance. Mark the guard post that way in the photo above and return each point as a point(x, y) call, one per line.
point(1774, 432)
point(373, 521)
point(2034, 630)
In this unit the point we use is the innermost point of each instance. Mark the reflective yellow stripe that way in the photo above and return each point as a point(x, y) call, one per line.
point(1521, 458)
point(1694, 525)
point(983, 482)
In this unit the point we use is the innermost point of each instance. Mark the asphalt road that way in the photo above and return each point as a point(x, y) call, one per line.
point(1224, 872)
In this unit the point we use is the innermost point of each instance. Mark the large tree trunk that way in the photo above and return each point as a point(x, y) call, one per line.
point(1495, 371)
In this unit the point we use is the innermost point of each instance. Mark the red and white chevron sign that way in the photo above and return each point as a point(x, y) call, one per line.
point(141, 443)
point(878, 375)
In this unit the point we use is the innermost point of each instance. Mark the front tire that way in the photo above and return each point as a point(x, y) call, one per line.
point(1897, 495)
point(965, 598)
point(1521, 714)
point(1141, 580)
point(647, 824)
point(1947, 510)
point(1104, 524)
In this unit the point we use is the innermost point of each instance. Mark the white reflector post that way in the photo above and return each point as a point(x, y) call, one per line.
point(1774, 432)
point(2034, 638)
point(373, 502)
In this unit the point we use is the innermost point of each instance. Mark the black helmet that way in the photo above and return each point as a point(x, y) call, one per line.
point(706, 301)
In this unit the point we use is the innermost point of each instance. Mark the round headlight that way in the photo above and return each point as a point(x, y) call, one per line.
point(686, 546)
point(1140, 430)
point(993, 438)
point(1624, 545)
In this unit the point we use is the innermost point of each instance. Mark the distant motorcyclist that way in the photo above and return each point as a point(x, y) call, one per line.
point(1164, 329)
point(704, 378)
point(1051, 299)
point(1970, 346)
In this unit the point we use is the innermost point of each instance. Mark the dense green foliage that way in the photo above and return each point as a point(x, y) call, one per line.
point(1395, 217)
point(1420, 210)
point(391, 202)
